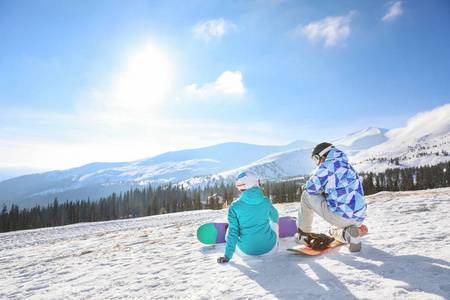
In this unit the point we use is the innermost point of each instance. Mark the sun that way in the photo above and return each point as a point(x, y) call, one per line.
point(146, 80)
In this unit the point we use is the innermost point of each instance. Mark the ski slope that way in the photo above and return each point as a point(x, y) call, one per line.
point(406, 255)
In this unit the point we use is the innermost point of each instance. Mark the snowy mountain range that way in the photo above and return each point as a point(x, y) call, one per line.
point(424, 141)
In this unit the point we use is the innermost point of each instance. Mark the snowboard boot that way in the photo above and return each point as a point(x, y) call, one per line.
point(351, 236)
point(348, 235)
point(301, 237)
point(314, 240)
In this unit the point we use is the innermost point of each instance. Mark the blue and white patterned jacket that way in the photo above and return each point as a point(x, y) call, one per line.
point(341, 184)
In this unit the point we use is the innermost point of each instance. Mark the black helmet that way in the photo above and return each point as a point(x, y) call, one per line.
point(320, 151)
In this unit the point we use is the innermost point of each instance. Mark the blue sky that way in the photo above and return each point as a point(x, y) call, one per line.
point(85, 81)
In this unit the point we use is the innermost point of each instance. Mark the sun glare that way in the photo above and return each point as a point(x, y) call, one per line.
point(145, 82)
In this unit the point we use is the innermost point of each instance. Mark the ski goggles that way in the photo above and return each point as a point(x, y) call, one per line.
point(316, 158)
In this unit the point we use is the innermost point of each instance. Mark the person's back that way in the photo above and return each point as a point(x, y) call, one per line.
point(341, 185)
point(252, 211)
point(252, 220)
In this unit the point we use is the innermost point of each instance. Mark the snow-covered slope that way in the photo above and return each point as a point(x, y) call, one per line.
point(363, 139)
point(424, 141)
point(279, 165)
point(276, 166)
point(406, 255)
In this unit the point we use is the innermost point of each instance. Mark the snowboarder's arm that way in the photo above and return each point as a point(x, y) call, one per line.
point(273, 215)
point(232, 234)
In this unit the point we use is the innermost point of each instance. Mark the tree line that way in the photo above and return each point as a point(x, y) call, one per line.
point(170, 198)
point(135, 203)
point(407, 179)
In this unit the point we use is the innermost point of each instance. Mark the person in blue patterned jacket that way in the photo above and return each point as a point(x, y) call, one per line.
point(335, 193)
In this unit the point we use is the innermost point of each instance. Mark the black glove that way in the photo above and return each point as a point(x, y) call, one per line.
point(223, 259)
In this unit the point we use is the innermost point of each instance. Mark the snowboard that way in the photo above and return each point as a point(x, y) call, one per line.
point(214, 233)
point(307, 250)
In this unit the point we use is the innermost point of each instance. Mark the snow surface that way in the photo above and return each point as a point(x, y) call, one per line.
point(406, 255)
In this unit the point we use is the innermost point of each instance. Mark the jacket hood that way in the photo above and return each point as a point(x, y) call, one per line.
point(253, 196)
point(336, 154)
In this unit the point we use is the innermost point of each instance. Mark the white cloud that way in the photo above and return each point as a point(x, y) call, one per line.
point(331, 29)
point(394, 11)
point(208, 30)
point(435, 122)
point(228, 84)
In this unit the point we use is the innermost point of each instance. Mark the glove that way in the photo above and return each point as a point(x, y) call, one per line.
point(223, 259)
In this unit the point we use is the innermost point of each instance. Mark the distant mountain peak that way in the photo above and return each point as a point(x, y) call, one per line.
point(363, 139)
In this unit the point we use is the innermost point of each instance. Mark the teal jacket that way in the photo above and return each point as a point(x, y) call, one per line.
point(249, 226)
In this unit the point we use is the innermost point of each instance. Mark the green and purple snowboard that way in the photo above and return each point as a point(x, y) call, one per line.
point(214, 233)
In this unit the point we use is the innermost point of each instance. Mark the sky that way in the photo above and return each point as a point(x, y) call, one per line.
point(110, 81)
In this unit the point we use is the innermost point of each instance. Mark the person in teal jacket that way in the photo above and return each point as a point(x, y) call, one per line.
point(252, 220)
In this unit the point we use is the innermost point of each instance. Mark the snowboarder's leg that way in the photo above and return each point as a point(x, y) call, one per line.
point(311, 204)
point(306, 210)
point(308, 206)
point(319, 205)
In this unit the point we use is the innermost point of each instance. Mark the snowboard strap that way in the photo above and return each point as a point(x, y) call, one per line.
point(319, 241)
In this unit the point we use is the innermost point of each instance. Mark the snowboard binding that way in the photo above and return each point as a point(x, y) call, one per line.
point(314, 240)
